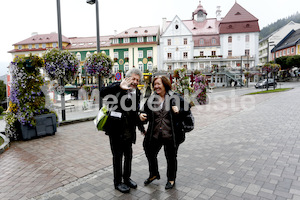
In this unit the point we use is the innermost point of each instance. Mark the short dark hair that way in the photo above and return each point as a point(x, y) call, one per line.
point(165, 81)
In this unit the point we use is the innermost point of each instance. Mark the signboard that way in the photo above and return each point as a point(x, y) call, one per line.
point(118, 76)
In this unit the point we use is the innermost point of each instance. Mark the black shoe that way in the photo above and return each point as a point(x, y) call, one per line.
point(130, 183)
point(169, 185)
point(122, 188)
point(150, 179)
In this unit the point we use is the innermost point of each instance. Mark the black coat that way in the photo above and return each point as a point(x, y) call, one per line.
point(115, 126)
point(178, 134)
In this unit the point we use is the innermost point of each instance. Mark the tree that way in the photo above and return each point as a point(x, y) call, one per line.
point(2, 91)
point(293, 61)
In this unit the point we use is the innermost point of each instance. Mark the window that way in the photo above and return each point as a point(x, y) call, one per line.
point(88, 54)
point(140, 39)
point(229, 39)
point(169, 55)
point(247, 52)
point(201, 53)
point(126, 40)
point(30, 46)
point(78, 56)
point(280, 53)
point(116, 55)
point(185, 54)
point(247, 38)
point(36, 46)
point(125, 54)
point(213, 41)
point(115, 41)
point(277, 54)
point(247, 65)
point(149, 39)
point(44, 45)
point(176, 26)
point(140, 54)
point(141, 67)
point(20, 47)
point(169, 67)
point(116, 68)
point(103, 52)
point(229, 52)
point(185, 41)
point(213, 53)
point(54, 45)
point(288, 51)
point(185, 66)
point(292, 50)
point(201, 41)
point(126, 67)
point(169, 42)
point(284, 52)
point(149, 53)
point(150, 66)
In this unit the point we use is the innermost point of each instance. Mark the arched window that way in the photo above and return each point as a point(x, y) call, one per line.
point(201, 41)
point(149, 66)
point(213, 41)
point(88, 54)
point(247, 38)
point(78, 56)
point(229, 39)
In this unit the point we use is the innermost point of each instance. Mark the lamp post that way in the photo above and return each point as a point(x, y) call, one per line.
point(63, 111)
point(274, 66)
point(98, 44)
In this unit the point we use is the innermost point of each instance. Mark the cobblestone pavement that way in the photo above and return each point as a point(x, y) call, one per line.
point(243, 147)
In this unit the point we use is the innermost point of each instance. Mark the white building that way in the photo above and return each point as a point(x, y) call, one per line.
point(267, 44)
point(211, 44)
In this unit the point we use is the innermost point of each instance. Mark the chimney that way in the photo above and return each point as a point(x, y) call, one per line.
point(218, 13)
point(164, 23)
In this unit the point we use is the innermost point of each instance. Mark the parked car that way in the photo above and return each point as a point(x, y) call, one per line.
point(263, 83)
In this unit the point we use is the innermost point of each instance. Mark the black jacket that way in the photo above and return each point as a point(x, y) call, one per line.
point(115, 126)
point(178, 134)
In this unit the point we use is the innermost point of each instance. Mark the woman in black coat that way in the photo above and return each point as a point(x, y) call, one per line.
point(165, 111)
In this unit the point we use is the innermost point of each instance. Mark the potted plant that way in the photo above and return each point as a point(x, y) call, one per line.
point(61, 65)
point(99, 64)
point(28, 111)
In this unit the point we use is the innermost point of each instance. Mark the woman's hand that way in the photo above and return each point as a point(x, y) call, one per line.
point(143, 117)
point(175, 109)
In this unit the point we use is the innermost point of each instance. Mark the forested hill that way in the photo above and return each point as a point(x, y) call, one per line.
point(278, 24)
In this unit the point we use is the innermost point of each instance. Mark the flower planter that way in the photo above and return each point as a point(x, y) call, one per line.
point(45, 125)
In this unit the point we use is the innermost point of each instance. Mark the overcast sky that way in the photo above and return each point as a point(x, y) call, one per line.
point(19, 18)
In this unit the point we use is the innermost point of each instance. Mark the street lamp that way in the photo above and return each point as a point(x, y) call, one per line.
point(274, 63)
point(63, 111)
point(98, 44)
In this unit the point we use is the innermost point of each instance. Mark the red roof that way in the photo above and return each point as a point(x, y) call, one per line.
point(139, 32)
point(88, 42)
point(42, 38)
point(239, 20)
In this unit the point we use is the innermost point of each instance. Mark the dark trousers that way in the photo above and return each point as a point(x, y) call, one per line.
point(120, 148)
point(152, 151)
